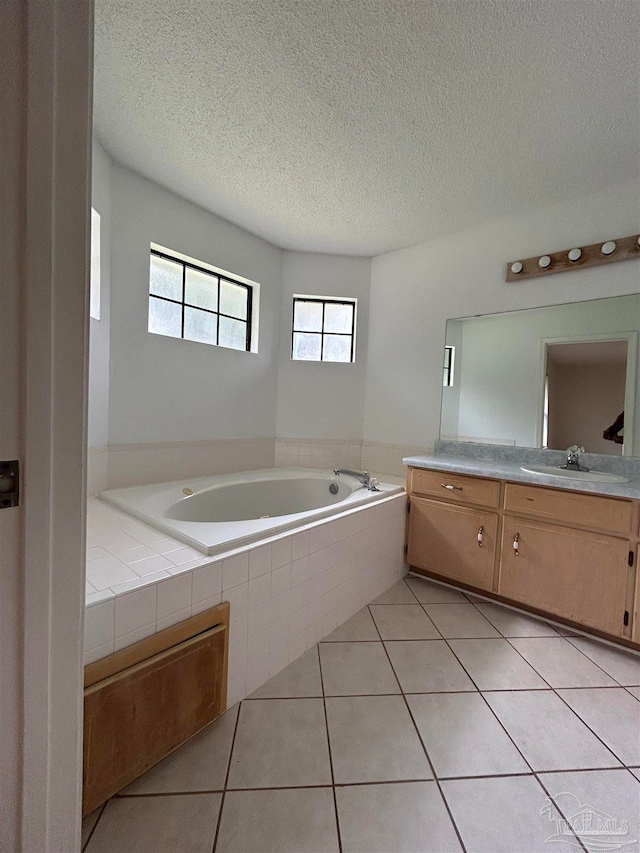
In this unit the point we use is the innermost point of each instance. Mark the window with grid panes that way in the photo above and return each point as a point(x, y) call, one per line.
point(191, 302)
point(323, 329)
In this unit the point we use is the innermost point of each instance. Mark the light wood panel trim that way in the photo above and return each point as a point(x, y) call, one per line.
point(479, 491)
point(135, 717)
point(156, 643)
point(565, 571)
point(445, 537)
point(593, 511)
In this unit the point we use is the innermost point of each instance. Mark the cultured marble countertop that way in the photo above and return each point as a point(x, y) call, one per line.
point(500, 470)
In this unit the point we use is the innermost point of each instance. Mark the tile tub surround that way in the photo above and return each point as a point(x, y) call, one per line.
point(376, 457)
point(115, 466)
point(286, 593)
point(306, 762)
point(157, 462)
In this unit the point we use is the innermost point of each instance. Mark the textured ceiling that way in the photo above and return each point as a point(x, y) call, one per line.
point(361, 126)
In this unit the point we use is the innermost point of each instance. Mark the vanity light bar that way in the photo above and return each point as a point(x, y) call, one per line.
point(623, 249)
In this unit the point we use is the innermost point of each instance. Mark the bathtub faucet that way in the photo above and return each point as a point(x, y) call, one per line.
point(365, 478)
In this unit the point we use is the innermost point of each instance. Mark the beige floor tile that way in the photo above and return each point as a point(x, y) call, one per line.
point(290, 821)
point(635, 691)
point(374, 740)
point(399, 593)
point(503, 814)
point(427, 666)
point(513, 624)
point(622, 665)
point(428, 592)
point(496, 665)
point(157, 825)
point(352, 669)
point(280, 742)
point(614, 793)
point(403, 622)
point(88, 824)
point(635, 771)
point(460, 621)
point(301, 678)
point(359, 628)
point(408, 816)
point(200, 764)
point(614, 715)
point(560, 664)
point(547, 733)
point(463, 737)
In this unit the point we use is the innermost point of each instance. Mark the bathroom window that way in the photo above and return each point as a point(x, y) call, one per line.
point(323, 329)
point(190, 301)
point(449, 358)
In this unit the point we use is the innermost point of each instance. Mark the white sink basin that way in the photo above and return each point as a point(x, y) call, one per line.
point(589, 476)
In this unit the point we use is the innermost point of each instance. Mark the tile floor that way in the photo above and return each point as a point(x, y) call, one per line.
point(430, 721)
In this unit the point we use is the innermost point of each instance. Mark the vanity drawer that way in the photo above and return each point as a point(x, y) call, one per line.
point(559, 505)
point(455, 487)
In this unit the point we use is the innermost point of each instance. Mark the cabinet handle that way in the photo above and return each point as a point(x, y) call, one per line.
point(516, 540)
point(480, 535)
point(450, 487)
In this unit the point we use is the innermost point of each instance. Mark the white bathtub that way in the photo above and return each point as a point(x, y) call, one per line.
point(214, 514)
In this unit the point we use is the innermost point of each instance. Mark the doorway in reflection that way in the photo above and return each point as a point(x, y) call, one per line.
point(585, 393)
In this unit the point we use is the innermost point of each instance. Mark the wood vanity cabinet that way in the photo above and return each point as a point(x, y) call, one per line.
point(575, 574)
point(455, 541)
point(570, 555)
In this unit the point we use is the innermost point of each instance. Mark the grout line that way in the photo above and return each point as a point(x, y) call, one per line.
point(516, 747)
point(226, 779)
point(326, 723)
point(555, 690)
point(578, 649)
point(102, 808)
point(424, 748)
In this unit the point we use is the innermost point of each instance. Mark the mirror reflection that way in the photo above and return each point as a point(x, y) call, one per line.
point(546, 377)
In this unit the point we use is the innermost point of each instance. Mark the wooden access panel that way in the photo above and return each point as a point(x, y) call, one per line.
point(138, 715)
point(595, 511)
point(455, 487)
point(575, 574)
point(444, 539)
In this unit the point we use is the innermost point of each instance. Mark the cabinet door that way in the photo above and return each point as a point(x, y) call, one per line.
point(581, 576)
point(443, 538)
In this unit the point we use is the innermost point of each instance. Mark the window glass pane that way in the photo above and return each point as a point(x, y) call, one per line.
point(165, 278)
point(338, 318)
point(200, 326)
point(165, 318)
point(233, 300)
point(306, 347)
point(233, 333)
point(336, 348)
point(307, 316)
point(201, 289)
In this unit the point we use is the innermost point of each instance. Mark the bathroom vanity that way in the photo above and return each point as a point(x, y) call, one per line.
point(570, 553)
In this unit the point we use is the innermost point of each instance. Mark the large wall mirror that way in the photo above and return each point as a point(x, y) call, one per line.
point(546, 377)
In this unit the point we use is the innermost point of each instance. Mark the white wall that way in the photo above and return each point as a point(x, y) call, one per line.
point(322, 400)
point(502, 377)
point(164, 389)
point(414, 291)
point(99, 330)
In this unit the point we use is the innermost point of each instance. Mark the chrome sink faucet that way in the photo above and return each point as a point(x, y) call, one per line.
point(364, 477)
point(573, 459)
